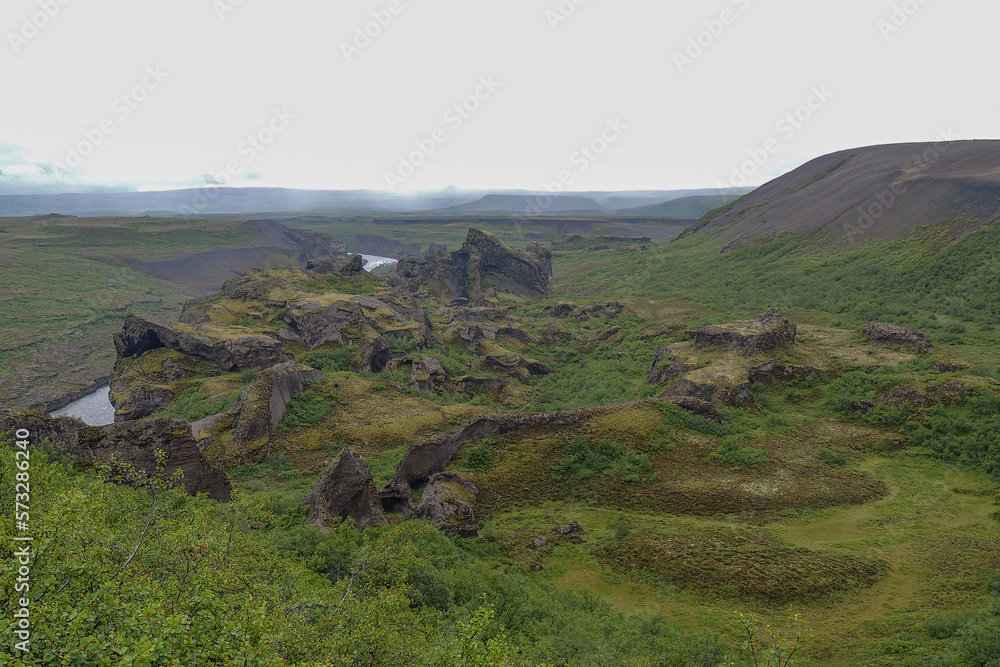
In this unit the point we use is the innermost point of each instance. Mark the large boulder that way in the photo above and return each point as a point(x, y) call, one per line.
point(342, 266)
point(141, 387)
point(346, 489)
point(448, 502)
point(262, 406)
point(899, 335)
point(769, 332)
point(427, 374)
point(143, 333)
point(135, 443)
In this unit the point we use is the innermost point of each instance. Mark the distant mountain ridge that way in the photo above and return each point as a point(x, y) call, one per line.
point(200, 202)
point(877, 192)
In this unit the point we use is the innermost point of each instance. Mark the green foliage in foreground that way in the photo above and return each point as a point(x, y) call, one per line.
point(146, 575)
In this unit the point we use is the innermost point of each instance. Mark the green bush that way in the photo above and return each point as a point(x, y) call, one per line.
point(328, 360)
point(733, 453)
point(192, 404)
point(583, 461)
point(275, 463)
point(479, 457)
point(307, 408)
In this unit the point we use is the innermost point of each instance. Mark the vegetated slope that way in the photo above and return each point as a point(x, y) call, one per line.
point(878, 192)
point(685, 207)
point(66, 282)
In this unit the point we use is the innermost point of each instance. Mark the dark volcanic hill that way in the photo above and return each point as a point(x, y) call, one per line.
point(878, 192)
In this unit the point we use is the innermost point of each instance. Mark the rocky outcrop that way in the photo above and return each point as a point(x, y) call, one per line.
point(346, 489)
point(262, 406)
point(544, 255)
point(135, 443)
point(779, 371)
point(427, 374)
point(254, 285)
point(342, 266)
point(763, 335)
point(422, 461)
point(899, 335)
point(448, 502)
point(143, 333)
point(704, 409)
point(353, 320)
point(520, 369)
point(666, 367)
point(556, 334)
point(141, 387)
point(373, 354)
point(714, 395)
point(482, 266)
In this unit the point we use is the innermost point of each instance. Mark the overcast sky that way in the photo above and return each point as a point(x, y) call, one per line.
point(578, 94)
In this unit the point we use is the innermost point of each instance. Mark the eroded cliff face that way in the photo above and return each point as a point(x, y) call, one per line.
point(136, 443)
point(483, 266)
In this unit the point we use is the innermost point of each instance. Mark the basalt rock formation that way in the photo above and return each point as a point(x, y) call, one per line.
point(449, 502)
point(345, 490)
point(144, 333)
point(769, 332)
point(135, 443)
point(343, 266)
point(900, 335)
point(262, 407)
point(482, 266)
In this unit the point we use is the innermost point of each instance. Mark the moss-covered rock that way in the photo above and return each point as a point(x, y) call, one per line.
point(448, 502)
point(346, 489)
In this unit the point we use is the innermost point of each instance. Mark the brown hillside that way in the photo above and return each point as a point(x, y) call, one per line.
point(878, 192)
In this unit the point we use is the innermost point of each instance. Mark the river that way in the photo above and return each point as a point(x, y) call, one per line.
point(96, 409)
